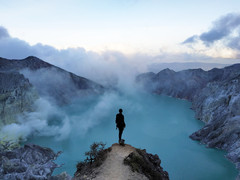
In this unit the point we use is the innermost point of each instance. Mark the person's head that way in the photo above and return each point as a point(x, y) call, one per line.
point(120, 110)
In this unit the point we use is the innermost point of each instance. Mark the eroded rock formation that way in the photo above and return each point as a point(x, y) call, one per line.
point(28, 162)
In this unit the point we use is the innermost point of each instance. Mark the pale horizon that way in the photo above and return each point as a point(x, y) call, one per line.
point(158, 32)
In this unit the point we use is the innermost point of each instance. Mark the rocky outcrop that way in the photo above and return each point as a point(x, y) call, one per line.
point(28, 162)
point(16, 96)
point(148, 164)
point(122, 162)
point(218, 105)
point(215, 97)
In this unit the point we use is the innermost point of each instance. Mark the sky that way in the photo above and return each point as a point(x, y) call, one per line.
point(151, 30)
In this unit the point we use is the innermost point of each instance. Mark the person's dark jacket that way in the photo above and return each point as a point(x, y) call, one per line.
point(120, 121)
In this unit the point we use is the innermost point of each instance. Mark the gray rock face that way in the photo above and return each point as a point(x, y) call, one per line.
point(28, 162)
point(16, 96)
point(218, 105)
point(147, 164)
point(215, 97)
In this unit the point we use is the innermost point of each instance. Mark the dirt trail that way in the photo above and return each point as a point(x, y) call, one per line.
point(113, 167)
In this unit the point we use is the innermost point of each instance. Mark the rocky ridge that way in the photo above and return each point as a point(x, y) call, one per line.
point(215, 97)
point(59, 83)
point(122, 162)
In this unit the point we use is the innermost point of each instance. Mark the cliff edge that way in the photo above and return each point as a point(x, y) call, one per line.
point(215, 97)
point(121, 163)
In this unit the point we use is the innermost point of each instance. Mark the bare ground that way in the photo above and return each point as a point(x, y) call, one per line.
point(113, 167)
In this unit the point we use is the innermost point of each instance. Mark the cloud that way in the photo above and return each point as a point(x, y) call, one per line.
point(103, 68)
point(222, 29)
point(3, 32)
point(234, 43)
point(222, 40)
point(191, 39)
point(109, 68)
point(39, 122)
point(78, 118)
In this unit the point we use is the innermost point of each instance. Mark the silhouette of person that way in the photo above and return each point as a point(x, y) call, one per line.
point(120, 124)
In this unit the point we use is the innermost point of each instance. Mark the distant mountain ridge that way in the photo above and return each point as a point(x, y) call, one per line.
point(215, 97)
point(184, 84)
point(30, 62)
point(179, 66)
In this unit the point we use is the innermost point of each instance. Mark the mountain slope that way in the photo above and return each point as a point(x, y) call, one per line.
point(23, 81)
point(50, 80)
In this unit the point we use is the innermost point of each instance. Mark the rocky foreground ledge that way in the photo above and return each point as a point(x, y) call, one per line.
point(115, 163)
point(121, 163)
point(29, 162)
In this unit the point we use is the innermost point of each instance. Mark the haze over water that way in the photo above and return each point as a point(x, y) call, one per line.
point(159, 124)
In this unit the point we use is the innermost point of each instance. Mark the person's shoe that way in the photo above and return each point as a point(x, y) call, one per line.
point(121, 142)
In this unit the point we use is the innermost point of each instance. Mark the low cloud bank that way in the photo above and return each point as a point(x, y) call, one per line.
point(38, 123)
point(60, 122)
point(103, 68)
point(107, 68)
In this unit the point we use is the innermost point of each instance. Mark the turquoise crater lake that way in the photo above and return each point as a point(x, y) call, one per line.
point(159, 124)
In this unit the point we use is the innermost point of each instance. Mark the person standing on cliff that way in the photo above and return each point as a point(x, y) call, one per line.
point(120, 124)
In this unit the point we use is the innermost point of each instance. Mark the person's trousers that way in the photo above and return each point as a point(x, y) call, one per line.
point(120, 133)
